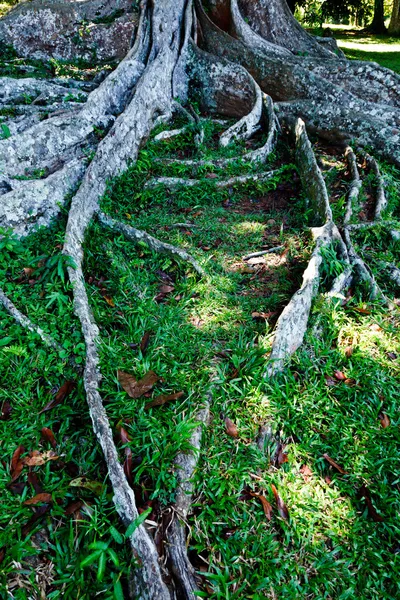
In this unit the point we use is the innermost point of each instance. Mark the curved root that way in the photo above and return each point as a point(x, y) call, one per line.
point(136, 235)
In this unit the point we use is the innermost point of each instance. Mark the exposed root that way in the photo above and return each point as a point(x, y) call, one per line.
point(174, 182)
point(248, 125)
point(394, 273)
point(262, 252)
point(36, 202)
point(311, 176)
point(341, 283)
point(292, 324)
point(363, 272)
point(25, 322)
point(355, 184)
point(136, 235)
point(381, 200)
point(33, 91)
point(259, 155)
point(185, 465)
point(169, 134)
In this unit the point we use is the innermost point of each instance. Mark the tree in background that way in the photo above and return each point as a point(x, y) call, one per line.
point(394, 26)
point(378, 22)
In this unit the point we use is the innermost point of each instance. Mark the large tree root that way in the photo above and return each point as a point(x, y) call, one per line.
point(292, 324)
point(175, 182)
point(185, 465)
point(137, 236)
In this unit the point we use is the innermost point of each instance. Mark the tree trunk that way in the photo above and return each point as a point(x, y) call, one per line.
point(239, 57)
point(394, 25)
point(378, 22)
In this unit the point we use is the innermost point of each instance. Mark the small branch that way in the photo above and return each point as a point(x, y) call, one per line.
point(262, 252)
point(174, 182)
point(355, 184)
point(182, 226)
point(25, 322)
point(185, 465)
point(136, 235)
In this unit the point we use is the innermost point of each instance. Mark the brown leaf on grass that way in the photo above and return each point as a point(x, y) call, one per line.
point(164, 291)
point(38, 499)
point(231, 428)
point(211, 176)
point(281, 456)
point(339, 375)
point(2, 554)
point(136, 388)
point(348, 351)
point(330, 381)
point(125, 438)
point(334, 464)
point(267, 506)
point(350, 382)
point(73, 507)
point(306, 472)
point(363, 311)
point(391, 355)
point(5, 411)
point(34, 481)
point(163, 399)
point(16, 463)
point(384, 419)
point(36, 459)
point(17, 488)
point(145, 342)
point(282, 508)
point(364, 493)
point(109, 301)
point(60, 396)
point(48, 436)
point(40, 511)
point(94, 486)
point(375, 327)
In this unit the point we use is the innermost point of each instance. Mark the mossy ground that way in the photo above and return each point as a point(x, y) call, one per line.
point(205, 340)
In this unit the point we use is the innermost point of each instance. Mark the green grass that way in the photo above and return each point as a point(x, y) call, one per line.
point(358, 45)
point(205, 340)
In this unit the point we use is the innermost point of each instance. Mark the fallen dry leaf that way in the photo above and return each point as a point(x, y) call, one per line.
point(136, 388)
point(34, 481)
point(375, 327)
point(73, 507)
point(109, 301)
point(88, 484)
point(364, 493)
point(48, 436)
point(60, 396)
point(163, 399)
point(231, 428)
point(384, 419)
point(5, 411)
point(334, 464)
point(40, 511)
point(351, 382)
point(145, 342)
point(306, 472)
point(340, 376)
point(125, 438)
point(38, 499)
point(282, 508)
point(267, 506)
point(16, 463)
point(363, 311)
point(281, 456)
point(35, 458)
point(348, 351)
point(330, 382)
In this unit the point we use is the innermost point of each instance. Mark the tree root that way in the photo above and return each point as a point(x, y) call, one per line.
point(259, 155)
point(137, 236)
point(26, 323)
point(394, 273)
point(174, 182)
point(262, 252)
point(355, 184)
point(381, 200)
point(185, 465)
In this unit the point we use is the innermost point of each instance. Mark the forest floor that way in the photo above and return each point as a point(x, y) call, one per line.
point(333, 451)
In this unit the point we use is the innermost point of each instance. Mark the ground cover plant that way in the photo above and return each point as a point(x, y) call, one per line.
point(206, 337)
point(217, 279)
